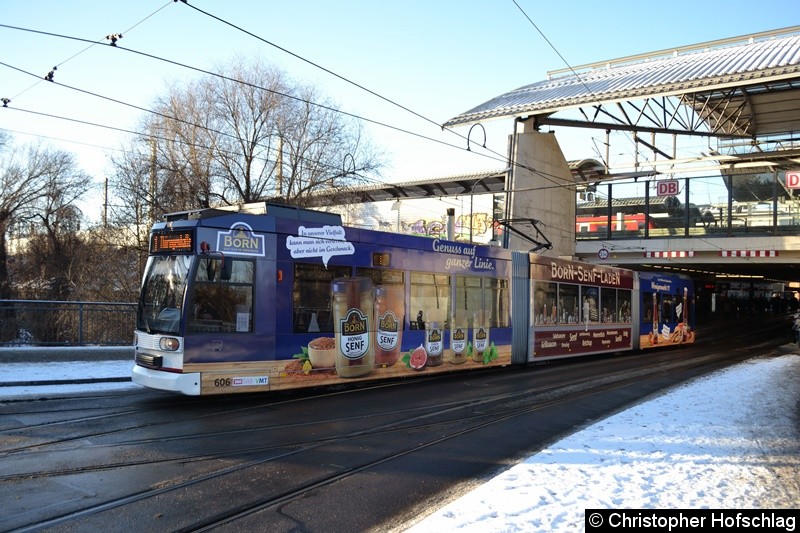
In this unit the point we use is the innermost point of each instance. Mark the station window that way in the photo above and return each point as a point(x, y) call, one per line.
point(220, 305)
point(311, 296)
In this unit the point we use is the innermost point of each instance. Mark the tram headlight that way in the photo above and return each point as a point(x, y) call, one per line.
point(169, 344)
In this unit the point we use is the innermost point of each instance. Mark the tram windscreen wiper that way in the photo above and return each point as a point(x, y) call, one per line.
point(144, 321)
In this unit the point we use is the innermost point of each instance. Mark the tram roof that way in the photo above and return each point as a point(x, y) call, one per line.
point(764, 66)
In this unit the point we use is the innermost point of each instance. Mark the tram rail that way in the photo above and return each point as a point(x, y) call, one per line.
point(382, 435)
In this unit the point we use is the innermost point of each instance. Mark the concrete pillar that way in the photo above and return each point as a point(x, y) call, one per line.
point(543, 189)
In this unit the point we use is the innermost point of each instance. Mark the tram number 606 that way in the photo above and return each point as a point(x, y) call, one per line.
point(222, 382)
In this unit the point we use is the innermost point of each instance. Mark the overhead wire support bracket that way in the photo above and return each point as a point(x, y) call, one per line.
point(540, 240)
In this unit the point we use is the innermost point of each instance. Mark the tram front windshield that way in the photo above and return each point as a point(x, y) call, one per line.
point(163, 290)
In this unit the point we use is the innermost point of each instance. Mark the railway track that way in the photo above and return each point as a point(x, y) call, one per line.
point(221, 463)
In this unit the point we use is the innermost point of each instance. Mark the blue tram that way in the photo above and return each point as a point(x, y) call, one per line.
point(265, 297)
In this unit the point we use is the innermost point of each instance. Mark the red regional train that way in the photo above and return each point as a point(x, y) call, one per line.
point(265, 297)
point(622, 222)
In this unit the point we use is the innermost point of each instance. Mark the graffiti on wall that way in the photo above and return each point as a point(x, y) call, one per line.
point(437, 227)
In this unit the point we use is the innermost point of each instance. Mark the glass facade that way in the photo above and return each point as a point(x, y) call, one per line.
point(731, 204)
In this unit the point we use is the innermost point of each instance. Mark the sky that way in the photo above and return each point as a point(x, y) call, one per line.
point(411, 65)
point(724, 441)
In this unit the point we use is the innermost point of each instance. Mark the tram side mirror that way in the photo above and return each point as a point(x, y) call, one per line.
point(225, 271)
point(211, 269)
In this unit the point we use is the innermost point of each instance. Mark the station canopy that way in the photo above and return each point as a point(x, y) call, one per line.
point(584, 171)
point(743, 88)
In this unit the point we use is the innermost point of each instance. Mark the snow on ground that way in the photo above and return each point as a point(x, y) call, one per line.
point(726, 441)
point(63, 371)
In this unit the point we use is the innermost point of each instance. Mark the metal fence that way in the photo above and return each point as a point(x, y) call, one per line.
point(56, 323)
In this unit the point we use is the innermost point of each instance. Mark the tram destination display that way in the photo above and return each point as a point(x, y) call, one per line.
point(172, 241)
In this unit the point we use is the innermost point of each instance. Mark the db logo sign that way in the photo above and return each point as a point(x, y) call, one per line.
point(668, 188)
point(793, 179)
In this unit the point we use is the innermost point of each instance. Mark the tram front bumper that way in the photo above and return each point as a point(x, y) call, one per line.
point(188, 384)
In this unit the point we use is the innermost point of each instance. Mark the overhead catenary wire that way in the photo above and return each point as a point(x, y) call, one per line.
point(91, 44)
point(362, 87)
point(497, 157)
point(574, 73)
point(227, 78)
point(151, 135)
point(547, 176)
point(207, 72)
point(146, 110)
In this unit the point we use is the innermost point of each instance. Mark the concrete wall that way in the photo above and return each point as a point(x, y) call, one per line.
point(545, 191)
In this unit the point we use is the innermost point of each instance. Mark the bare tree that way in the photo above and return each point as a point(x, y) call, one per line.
point(320, 154)
point(139, 197)
point(245, 135)
point(246, 113)
point(38, 189)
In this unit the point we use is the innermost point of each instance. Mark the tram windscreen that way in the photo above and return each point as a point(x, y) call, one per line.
point(163, 289)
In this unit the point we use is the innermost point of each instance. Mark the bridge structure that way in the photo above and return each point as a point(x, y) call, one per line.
point(729, 213)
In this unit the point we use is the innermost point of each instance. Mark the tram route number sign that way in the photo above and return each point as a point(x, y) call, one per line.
point(667, 188)
point(793, 179)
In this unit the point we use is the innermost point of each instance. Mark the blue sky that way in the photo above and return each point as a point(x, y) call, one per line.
point(437, 58)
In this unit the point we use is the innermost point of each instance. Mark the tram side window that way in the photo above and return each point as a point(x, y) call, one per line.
point(544, 303)
point(221, 306)
point(666, 308)
point(429, 299)
point(647, 307)
point(487, 294)
point(589, 302)
point(311, 296)
point(661, 303)
point(608, 305)
point(568, 307)
point(496, 291)
point(681, 307)
point(383, 276)
point(624, 306)
point(469, 294)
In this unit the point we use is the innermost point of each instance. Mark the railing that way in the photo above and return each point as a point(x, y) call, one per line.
point(58, 323)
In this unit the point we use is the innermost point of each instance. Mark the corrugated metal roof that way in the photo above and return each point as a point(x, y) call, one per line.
point(460, 184)
point(745, 64)
point(474, 182)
